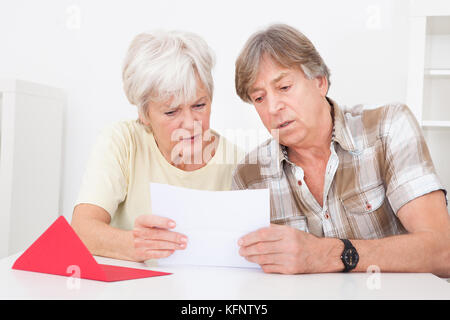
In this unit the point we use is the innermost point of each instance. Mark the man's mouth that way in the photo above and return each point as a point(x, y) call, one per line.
point(284, 124)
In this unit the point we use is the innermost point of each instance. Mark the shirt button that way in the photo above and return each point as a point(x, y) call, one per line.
point(369, 206)
point(327, 215)
point(299, 182)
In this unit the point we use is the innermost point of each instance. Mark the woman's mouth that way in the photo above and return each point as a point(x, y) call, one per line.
point(191, 138)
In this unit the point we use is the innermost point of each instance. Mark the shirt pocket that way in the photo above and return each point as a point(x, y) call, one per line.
point(367, 214)
point(365, 202)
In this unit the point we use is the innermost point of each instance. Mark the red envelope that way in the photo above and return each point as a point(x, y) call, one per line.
point(60, 251)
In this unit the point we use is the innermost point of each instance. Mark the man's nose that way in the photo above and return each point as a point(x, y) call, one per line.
point(275, 105)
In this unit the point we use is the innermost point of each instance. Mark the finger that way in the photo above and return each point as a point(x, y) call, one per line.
point(264, 259)
point(159, 234)
point(272, 268)
point(154, 221)
point(158, 245)
point(266, 247)
point(158, 254)
point(264, 234)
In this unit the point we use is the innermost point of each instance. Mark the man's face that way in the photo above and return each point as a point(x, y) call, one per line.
point(287, 102)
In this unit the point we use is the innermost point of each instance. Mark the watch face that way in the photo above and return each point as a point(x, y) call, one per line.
point(351, 257)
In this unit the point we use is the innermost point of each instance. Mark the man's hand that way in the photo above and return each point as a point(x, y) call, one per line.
point(154, 240)
point(282, 249)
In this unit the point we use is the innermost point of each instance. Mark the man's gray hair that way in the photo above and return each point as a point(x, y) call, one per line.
point(286, 46)
point(160, 65)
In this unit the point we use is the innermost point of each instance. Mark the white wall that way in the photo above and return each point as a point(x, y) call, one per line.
point(79, 46)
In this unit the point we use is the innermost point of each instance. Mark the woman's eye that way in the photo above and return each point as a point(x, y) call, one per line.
point(258, 100)
point(199, 106)
point(170, 113)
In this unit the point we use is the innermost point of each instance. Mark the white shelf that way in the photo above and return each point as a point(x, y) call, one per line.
point(437, 72)
point(435, 124)
point(428, 85)
point(429, 8)
point(31, 117)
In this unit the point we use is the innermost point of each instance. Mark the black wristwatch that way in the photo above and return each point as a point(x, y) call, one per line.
point(349, 256)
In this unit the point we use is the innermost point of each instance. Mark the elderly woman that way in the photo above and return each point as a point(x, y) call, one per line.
point(167, 75)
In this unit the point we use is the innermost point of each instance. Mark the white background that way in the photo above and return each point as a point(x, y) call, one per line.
point(79, 46)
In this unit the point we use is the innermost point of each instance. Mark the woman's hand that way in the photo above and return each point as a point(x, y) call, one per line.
point(154, 240)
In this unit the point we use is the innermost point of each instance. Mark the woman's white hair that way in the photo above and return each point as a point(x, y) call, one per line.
point(160, 65)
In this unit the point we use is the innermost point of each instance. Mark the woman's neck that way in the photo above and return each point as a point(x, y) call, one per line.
point(196, 160)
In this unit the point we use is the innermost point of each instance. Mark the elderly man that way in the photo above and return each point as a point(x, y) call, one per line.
point(350, 188)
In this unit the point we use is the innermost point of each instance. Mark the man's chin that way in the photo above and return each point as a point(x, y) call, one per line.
point(288, 141)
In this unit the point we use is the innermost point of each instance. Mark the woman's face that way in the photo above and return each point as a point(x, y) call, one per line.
point(181, 131)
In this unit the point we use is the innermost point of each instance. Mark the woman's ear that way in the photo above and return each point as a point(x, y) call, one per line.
point(144, 120)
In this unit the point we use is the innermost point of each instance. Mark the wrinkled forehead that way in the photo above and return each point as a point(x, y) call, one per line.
point(270, 72)
point(181, 96)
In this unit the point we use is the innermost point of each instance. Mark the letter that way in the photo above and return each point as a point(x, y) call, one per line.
point(257, 308)
point(179, 152)
point(197, 143)
point(73, 282)
point(184, 310)
point(73, 21)
point(373, 21)
point(242, 309)
point(211, 310)
point(374, 280)
point(192, 310)
point(207, 153)
point(227, 309)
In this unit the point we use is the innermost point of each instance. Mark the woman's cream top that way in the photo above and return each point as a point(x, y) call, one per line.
point(125, 159)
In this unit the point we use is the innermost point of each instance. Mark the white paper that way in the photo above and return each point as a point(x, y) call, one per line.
point(213, 221)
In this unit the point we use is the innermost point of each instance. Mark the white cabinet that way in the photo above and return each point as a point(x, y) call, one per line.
point(31, 120)
point(429, 78)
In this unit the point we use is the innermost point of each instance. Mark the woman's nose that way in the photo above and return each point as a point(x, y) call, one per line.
point(191, 123)
point(188, 120)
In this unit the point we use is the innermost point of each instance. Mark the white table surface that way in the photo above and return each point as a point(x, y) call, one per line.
point(218, 283)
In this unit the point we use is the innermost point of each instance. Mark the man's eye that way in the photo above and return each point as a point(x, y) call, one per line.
point(285, 88)
point(258, 100)
point(199, 106)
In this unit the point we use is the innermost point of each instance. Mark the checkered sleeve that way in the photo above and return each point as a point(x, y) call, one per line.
point(409, 169)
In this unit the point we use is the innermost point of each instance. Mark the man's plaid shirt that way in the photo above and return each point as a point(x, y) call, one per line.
point(379, 161)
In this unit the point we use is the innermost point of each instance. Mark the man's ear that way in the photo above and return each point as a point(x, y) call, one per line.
point(322, 85)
